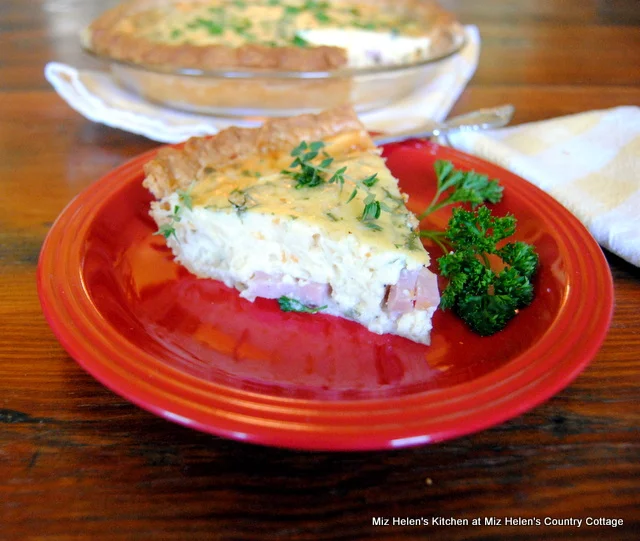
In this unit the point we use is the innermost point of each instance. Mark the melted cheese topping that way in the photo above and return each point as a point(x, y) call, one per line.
point(258, 185)
point(370, 35)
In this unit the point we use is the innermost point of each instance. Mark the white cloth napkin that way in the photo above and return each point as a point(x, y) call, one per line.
point(98, 97)
point(589, 162)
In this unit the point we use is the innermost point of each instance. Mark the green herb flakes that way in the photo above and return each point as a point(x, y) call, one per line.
point(288, 304)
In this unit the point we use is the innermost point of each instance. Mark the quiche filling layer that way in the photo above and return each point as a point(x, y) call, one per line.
point(318, 221)
point(370, 33)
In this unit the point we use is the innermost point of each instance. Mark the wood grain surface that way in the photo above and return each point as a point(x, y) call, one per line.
point(79, 462)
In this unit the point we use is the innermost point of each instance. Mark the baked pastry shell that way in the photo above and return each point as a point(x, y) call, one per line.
point(244, 91)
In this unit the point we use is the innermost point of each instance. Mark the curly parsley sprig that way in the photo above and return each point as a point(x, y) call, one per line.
point(486, 299)
point(489, 281)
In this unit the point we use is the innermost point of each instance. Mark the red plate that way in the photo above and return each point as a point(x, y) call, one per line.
point(195, 353)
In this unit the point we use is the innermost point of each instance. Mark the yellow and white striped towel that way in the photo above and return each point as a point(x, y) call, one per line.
point(589, 162)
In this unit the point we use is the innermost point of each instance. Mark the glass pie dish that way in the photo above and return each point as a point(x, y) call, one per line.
point(255, 91)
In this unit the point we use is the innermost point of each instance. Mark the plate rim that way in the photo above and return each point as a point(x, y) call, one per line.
point(287, 428)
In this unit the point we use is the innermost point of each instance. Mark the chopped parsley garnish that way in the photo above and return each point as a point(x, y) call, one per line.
point(353, 195)
point(370, 181)
point(288, 304)
point(168, 229)
point(185, 198)
point(371, 209)
point(373, 226)
point(411, 243)
point(317, 9)
point(214, 28)
point(292, 10)
point(398, 200)
point(242, 27)
point(299, 41)
point(322, 17)
point(240, 200)
point(310, 174)
point(338, 176)
point(364, 26)
point(371, 212)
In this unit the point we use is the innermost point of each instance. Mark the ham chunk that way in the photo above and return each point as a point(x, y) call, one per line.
point(273, 287)
point(417, 289)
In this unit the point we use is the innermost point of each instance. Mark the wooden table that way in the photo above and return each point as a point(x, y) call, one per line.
point(79, 462)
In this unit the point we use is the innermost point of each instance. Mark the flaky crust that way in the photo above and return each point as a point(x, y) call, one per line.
point(102, 38)
point(177, 168)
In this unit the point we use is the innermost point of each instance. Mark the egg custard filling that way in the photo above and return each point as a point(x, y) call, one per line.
point(303, 210)
point(296, 35)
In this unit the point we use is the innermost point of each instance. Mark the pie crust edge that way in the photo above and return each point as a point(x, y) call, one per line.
point(102, 38)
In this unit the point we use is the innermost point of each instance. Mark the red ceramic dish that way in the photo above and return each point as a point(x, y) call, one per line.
point(195, 353)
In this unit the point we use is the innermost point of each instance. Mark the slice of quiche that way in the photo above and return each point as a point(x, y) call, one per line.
point(302, 210)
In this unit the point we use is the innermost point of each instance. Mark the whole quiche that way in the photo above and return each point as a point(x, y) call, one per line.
point(289, 35)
